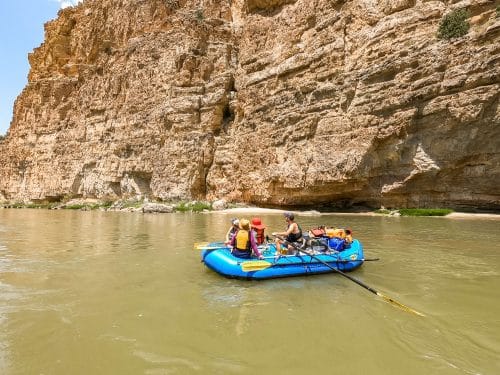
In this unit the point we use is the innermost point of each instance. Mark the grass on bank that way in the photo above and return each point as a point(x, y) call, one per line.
point(416, 211)
point(425, 211)
point(182, 206)
point(47, 206)
point(192, 206)
point(59, 205)
point(88, 206)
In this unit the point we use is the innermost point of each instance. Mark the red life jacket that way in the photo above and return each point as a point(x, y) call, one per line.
point(259, 235)
point(318, 232)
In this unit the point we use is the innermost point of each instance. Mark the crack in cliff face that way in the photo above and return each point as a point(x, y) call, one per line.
point(312, 101)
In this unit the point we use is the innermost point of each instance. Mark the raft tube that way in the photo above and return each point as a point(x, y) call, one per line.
point(223, 262)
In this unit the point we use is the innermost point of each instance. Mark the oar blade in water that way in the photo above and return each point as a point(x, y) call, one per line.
point(399, 304)
point(359, 282)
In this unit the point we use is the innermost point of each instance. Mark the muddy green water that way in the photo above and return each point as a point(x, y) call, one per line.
point(125, 293)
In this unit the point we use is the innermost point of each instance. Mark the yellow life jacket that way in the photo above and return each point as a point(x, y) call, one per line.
point(242, 240)
point(335, 232)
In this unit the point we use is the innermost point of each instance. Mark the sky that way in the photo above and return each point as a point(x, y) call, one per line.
point(21, 30)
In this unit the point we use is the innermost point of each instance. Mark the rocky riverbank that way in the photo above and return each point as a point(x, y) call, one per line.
point(223, 207)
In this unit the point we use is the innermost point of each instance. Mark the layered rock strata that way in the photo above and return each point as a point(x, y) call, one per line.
point(271, 102)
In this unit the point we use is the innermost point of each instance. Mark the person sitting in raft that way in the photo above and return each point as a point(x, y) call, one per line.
point(235, 227)
point(258, 228)
point(244, 242)
point(293, 234)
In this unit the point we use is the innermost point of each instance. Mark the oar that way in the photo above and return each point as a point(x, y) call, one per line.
point(353, 260)
point(212, 247)
point(205, 245)
point(259, 265)
point(255, 265)
point(360, 283)
point(198, 245)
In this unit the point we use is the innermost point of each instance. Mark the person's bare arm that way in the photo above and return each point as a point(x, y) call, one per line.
point(289, 230)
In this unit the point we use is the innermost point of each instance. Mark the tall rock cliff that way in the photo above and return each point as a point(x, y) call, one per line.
point(266, 101)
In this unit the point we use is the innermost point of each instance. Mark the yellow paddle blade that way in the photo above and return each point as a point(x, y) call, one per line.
point(213, 247)
point(255, 265)
point(200, 245)
point(209, 245)
point(400, 305)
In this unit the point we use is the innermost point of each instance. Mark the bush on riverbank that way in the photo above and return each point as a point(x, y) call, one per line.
point(425, 211)
point(415, 212)
point(47, 206)
point(88, 206)
point(194, 206)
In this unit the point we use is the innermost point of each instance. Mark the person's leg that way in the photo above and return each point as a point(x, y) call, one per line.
point(278, 246)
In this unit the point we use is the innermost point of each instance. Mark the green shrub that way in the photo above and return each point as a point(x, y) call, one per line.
point(74, 206)
point(131, 203)
point(383, 211)
point(454, 24)
point(201, 206)
point(106, 204)
point(30, 205)
point(425, 211)
point(38, 205)
point(193, 206)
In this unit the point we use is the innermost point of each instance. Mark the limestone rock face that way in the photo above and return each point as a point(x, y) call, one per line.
point(265, 101)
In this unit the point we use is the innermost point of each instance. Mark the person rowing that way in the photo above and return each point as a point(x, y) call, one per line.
point(292, 234)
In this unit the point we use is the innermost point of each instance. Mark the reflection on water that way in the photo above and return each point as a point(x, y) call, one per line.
point(124, 293)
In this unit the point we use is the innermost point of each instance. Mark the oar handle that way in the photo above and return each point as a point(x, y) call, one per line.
point(329, 266)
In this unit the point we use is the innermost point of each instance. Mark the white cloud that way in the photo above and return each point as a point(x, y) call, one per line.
point(68, 3)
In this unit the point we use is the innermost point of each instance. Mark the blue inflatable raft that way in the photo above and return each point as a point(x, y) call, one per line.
point(223, 262)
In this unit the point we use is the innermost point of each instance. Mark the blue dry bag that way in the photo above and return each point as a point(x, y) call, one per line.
point(336, 243)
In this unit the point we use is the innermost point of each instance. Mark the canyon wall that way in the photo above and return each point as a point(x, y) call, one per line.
point(272, 102)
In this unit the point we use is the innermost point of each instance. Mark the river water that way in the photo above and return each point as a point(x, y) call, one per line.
point(125, 293)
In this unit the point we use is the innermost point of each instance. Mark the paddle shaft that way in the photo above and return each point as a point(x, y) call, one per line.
point(340, 260)
point(360, 283)
point(326, 264)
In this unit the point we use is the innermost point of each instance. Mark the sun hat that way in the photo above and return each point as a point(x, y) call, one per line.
point(288, 215)
point(244, 224)
point(257, 223)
